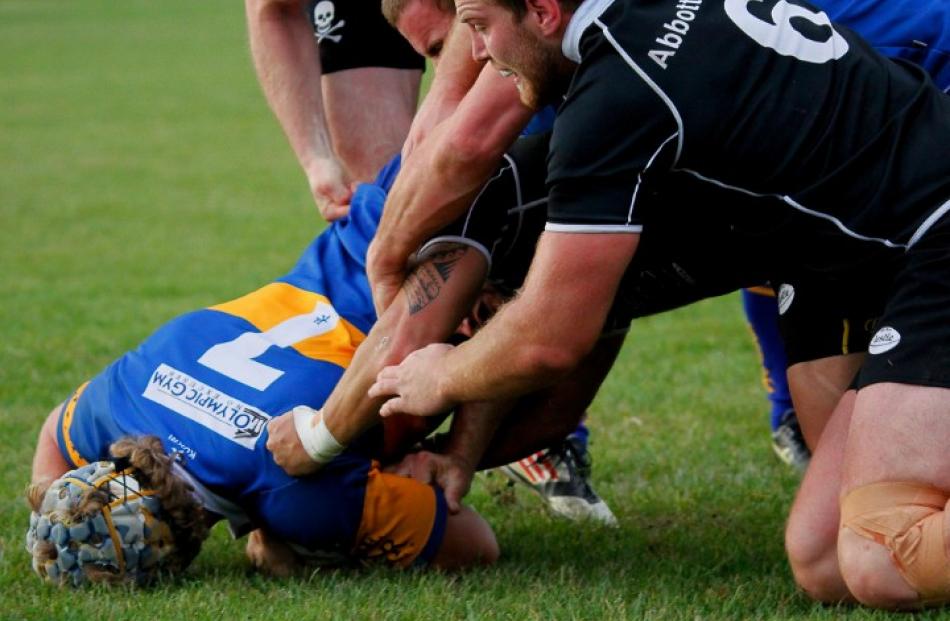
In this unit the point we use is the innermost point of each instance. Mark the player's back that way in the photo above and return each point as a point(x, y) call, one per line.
point(765, 97)
point(207, 382)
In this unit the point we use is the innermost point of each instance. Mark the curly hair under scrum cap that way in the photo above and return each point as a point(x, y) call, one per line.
point(129, 520)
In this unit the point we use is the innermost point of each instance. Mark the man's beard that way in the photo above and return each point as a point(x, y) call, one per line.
point(539, 75)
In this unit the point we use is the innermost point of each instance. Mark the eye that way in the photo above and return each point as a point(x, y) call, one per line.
point(475, 24)
point(434, 50)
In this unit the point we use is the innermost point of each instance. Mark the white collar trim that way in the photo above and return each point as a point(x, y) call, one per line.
point(584, 16)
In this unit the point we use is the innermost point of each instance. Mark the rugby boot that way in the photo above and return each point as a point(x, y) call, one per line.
point(560, 475)
point(789, 443)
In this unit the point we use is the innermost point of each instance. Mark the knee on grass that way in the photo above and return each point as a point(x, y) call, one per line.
point(813, 560)
point(891, 546)
point(468, 541)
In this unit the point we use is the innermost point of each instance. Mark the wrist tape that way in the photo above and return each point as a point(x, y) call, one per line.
point(316, 439)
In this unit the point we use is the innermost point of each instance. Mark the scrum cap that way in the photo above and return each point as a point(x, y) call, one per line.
point(98, 522)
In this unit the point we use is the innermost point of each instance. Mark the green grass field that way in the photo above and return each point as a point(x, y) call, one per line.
point(142, 175)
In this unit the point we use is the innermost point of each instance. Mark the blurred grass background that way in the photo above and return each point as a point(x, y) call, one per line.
point(142, 175)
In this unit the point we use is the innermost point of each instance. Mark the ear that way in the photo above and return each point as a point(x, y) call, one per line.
point(547, 15)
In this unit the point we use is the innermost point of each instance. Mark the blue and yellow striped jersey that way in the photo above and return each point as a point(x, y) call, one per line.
point(207, 382)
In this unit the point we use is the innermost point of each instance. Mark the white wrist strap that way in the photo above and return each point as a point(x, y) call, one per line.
point(317, 440)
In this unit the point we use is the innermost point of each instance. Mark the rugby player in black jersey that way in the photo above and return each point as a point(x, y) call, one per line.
point(770, 102)
point(919, 31)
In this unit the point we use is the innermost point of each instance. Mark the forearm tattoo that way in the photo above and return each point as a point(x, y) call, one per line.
point(425, 282)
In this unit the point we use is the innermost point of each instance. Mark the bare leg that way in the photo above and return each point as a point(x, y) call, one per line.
point(811, 534)
point(369, 112)
point(824, 407)
point(898, 433)
point(269, 555)
point(48, 462)
point(468, 541)
point(816, 387)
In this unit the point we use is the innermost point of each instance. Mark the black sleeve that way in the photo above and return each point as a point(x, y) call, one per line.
point(483, 222)
point(611, 132)
point(507, 215)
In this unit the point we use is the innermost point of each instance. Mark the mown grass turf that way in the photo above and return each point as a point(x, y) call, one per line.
point(141, 175)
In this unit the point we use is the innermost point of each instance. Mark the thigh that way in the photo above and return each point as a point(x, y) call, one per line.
point(369, 111)
point(820, 318)
point(371, 78)
point(901, 424)
point(817, 386)
point(351, 510)
point(899, 432)
point(826, 325)
point(911, 344)
point(812, 531)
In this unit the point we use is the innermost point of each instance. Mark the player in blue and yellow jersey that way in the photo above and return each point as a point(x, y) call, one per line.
point(205, 385)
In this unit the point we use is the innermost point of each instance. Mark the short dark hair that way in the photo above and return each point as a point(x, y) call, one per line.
point(392, 9)
point(520, 7)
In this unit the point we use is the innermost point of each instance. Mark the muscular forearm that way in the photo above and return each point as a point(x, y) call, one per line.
point(440, 179)
point(543, 418)
point(428, 308)
point(549, 328)
point(455, 74)
point(288, 67)
point(473, 427)
point(510, 357)
point(456, 69)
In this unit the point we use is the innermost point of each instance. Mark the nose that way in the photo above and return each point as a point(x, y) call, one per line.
point(479, 49)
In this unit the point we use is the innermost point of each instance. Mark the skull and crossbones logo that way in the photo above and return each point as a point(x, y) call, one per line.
point(323, 14)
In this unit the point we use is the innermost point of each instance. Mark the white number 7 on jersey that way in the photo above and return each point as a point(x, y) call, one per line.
point(235, 358)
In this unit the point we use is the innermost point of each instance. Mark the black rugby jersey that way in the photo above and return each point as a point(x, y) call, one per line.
point(672, 267)
point(508, 215)
point(765, 97)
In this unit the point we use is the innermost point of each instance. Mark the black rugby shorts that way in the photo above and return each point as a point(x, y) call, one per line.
point(353, 34)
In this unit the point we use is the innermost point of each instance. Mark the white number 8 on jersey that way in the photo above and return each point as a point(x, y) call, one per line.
point(782, 36)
